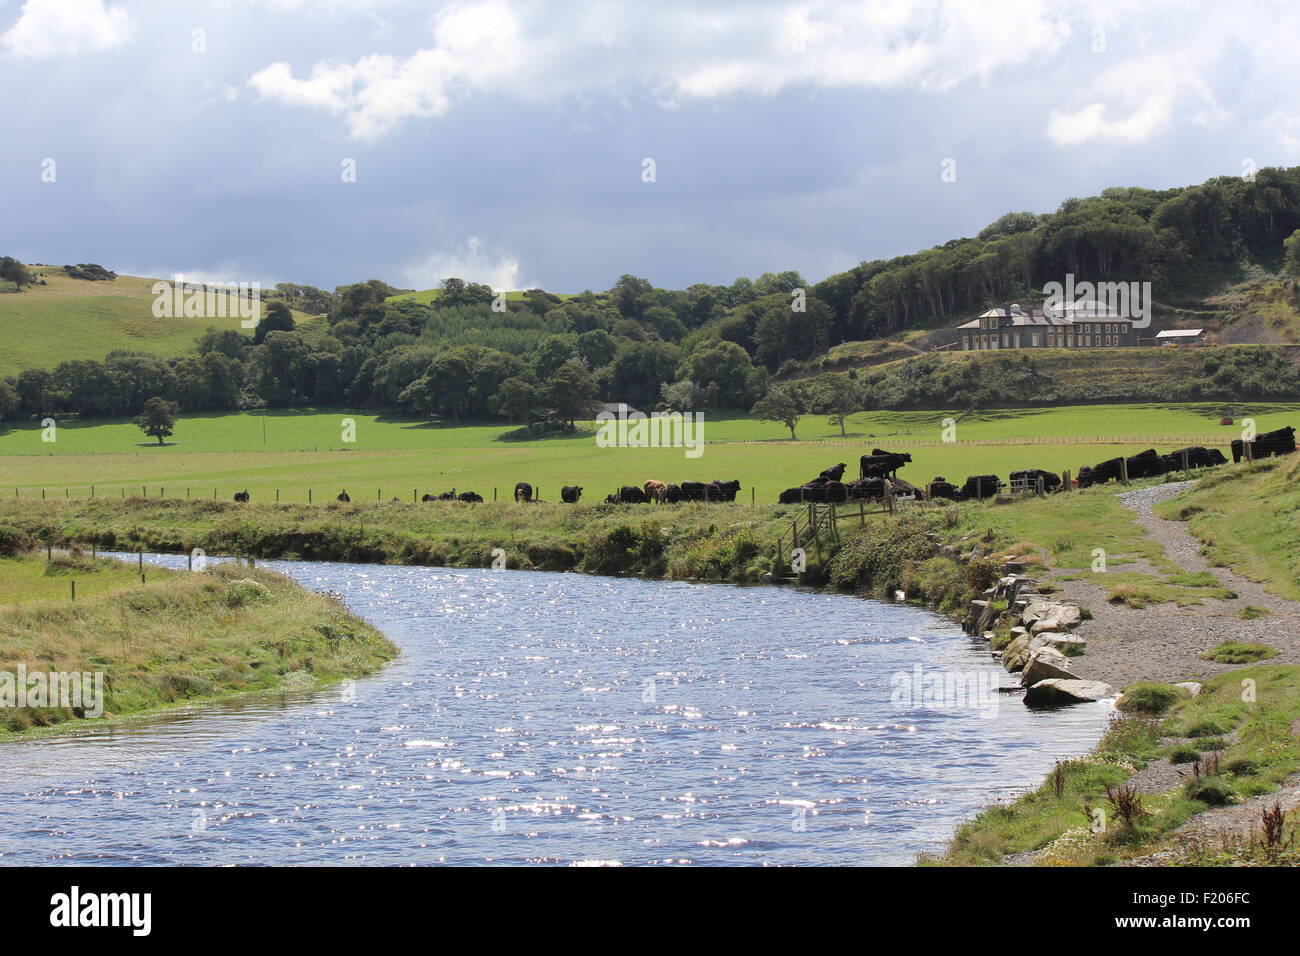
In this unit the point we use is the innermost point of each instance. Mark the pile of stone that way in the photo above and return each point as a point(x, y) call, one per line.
point(1043, 641)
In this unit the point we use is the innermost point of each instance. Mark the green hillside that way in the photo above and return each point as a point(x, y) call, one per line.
point(68, 319)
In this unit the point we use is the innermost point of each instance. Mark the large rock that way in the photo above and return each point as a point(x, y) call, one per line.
point(1192, 687)
point(1055, 692)
point(1067, 644)
point(1063, 617)
point(1016, 654)
point(1046, 663)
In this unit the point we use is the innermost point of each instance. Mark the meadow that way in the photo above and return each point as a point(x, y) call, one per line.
point(79, 319)
point(294, 451)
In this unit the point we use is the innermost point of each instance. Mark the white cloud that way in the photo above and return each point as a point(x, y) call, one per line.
point(47, 28)
point(1090, 125)
point(471, 263)
point(525, 49)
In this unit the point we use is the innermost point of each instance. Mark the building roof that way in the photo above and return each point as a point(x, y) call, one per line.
point(1059, 316)
point(1179, 333)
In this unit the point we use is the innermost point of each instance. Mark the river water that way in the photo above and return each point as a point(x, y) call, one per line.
point(563, 719)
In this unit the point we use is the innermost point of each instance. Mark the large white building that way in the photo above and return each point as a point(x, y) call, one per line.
point(1067, 326)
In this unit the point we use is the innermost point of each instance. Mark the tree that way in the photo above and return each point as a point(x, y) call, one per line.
point(9, 400)
point(840, 398)
point(158, 418)
point(278, 318)
point(571, 393)
point(517, 399)
point(14, 271)
point(1291, 254)
point(781, 405)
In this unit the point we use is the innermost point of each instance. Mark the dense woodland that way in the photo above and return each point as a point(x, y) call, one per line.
point(467, 355)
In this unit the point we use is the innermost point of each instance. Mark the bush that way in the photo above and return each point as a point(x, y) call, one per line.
point(1148, 697)
point(1211, 791)
point(1206, 728)
point(1184, 755)
point(1237, 652)
point(245, 592)
point(1241, 767)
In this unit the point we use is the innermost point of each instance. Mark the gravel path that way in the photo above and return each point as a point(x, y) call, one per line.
point(1164, 642)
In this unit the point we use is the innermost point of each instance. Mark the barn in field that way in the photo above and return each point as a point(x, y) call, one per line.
point(1181, 337)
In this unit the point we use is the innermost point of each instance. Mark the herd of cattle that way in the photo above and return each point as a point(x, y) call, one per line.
point(878, 473)
point(878, 477)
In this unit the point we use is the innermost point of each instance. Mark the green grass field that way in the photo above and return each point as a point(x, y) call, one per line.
point(296, 450)
point(70, 319)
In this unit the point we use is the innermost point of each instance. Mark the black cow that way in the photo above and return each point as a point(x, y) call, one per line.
point(1196, 456)
point(242, 495)
point(448, 495)
point(941, 487)
point(470, 497)
point(882, 464)
point(344, 496)
point(1142, 465)
point(632, 495)
point(835, 472)
point(428, 497)
point(694, 491)
point(1029, 479)
point(1278, 442)
point(721, 490)
point(673, 494)
point(523, 491)
point(980, 486)
point(570, 494)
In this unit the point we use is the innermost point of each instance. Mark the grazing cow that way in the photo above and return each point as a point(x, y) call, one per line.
point(242, 495)
point(791, 496)
point(344, 496)
point(570, 494)
point(673, 494)
point(941, 487)
point(1278, 442)
point(1197, 456)
point(882, 464)
point(835, 472)
point(656, 491)
point(864, 488)
point(428, 497)
point(470, 497)
point(694, 490)
point(523, 491)
point(448, 495)
point(1142, 465)
point(1028, 478)
point(981, 486)
point(632, 495)
point(721, 490)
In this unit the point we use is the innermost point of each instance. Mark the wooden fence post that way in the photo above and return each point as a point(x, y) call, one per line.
point(1123, 470)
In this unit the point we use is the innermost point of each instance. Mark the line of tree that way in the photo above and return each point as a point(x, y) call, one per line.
point(469, 354)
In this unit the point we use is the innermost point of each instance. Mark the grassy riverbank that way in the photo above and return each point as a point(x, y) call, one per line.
point(1229, 744)
point(1249, 518)
point(178, 638)
point(726, 542)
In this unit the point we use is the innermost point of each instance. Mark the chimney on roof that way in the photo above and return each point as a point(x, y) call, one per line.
point(1006, 314)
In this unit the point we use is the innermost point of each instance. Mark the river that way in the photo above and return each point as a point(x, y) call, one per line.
point(559, 719)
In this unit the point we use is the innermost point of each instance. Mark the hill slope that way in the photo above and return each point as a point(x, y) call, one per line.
point(68, 319)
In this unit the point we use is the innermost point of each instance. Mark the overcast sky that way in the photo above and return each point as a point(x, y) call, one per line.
point(505, 140)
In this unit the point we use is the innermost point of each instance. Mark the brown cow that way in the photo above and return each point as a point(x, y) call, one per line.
point(656, 491)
